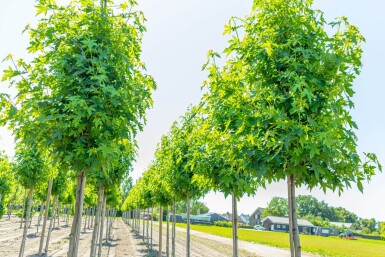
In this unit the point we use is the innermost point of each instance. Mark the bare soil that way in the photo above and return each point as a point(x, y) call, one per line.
point(123, 242)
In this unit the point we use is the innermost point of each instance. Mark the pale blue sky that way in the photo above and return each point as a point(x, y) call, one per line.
point(179, 35)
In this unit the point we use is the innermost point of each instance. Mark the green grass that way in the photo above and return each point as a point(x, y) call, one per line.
point(325, 246)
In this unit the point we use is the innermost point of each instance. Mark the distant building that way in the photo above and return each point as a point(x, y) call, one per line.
point(272, 223)
point(245, 219)
point(207, 218)
point(342, 224)
point(229, 217)
point(256, 217)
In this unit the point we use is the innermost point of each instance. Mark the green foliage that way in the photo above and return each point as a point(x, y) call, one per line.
point(278, 206)
point(29, 166)
point(86, 89)
point(285, 93)
point(196, 207)
point(227, 224)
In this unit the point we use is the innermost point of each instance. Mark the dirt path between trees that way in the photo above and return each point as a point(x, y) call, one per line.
point(125, 243)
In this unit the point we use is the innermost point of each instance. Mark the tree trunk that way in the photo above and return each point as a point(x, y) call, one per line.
point(160, 231)
point(68, 214)
point(173, 228)
point(143, 224)
point(21, 253)
point(151, 226)
point(101, 227)
point(58, 211)
point(54, 208)
point(76, 223)
point(29, 218)
point(45, 217)
point(168, 233)
point(295, 245)
point(85, 221)
point(235, 227)
point(148, 224)
point(95, 233)
point(22, 213)
point(40, 216)
point(188, 229)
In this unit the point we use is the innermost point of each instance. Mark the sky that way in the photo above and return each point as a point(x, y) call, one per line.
point(179, 35)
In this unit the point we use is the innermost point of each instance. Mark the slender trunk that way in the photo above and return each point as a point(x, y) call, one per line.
point(85, 221)
point(235, 227)
point(292, 251)
point(295, 241)
point(151, 227)
point(108, 223)
point(68, 214)
point(148, 224)
point(45, 217)
point(173, 228)
point(21, 253)
point(188, 229)
point(54, 208)
point(40, 216)
point(95, 233)
point(160, 231)
point(29, 218)
point(168, 233)
point(144, 214)
point(76, 223)
point(58, 211)
point(101, 227)
point(22, 213)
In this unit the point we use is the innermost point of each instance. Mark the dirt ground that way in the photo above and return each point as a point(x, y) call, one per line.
point(125, 243)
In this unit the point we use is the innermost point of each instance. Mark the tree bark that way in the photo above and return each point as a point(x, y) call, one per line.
point(76, 223)
point(173, 228)
point(235, 226)
point(148, 224)
point(45, 216)
point(22, 247)
point(22, 213)
point(101, 227)
point(40, 216)
point(95, 233)
point(58, 211)
point(151, 227)
point(54, 208)
point(188, 229)
point(168, 233)
point(143, 225)
point(295, 245)
point(160, 231)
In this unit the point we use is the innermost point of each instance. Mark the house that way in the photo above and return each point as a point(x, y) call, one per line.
point(229, 217)
point(342, 224)
point(208, 218)
point(272, 223)
point(256, 217)
point(323, 231)
point(245, 219)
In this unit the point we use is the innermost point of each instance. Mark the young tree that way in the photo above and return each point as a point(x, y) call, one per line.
point(6, 179)
point(291, 82)
point(87, 88)
point(30, 170)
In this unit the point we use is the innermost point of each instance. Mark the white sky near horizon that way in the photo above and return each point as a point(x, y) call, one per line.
point(179, 34)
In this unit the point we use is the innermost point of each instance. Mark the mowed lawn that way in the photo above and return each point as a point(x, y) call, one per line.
point(325, 246)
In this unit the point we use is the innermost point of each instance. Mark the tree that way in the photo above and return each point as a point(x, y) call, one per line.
point(292, 82)
point(278, 206)
point(30, 170)
point(196, 208)
point(86, 87)
point(5, 180)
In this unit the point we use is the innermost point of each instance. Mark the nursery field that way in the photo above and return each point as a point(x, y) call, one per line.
point(324, 246)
